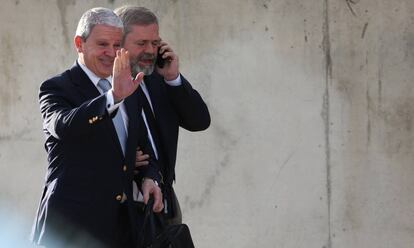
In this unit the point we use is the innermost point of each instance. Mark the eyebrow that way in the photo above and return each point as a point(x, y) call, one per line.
point(108, 41)
point(149, 40)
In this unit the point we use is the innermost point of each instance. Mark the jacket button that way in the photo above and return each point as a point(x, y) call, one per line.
point(118, 197)
point(124, 168)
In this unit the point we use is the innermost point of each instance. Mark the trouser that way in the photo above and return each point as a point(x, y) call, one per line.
point(124, 232)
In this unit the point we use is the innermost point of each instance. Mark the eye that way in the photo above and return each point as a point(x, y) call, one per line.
point(156, 43)
point(140, 43)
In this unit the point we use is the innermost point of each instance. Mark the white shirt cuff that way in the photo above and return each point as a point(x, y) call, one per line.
point(110, 106)
point(175, 82)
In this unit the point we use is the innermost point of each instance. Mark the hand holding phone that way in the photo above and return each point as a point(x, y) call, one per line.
point(160, 60)
point(167, 66)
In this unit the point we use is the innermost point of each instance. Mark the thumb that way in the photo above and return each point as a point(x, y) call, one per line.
point(139, 77)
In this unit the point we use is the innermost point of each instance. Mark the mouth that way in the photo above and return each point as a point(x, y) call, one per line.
point(146, 62)
point(145, 59)
point(107, 62)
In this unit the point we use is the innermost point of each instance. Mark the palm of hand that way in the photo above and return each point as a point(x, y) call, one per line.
point(123, 85)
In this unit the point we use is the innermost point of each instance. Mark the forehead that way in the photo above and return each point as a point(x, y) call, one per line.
point(144, 32)
point(105, 32)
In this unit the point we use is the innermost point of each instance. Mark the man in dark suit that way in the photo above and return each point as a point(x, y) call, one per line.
point(171, 102)
point(92, 131)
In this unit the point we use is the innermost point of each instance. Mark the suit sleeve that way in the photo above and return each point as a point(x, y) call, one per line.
point(63, 117)
point(190, 107)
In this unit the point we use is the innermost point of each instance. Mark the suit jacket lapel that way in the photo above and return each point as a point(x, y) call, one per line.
point(154, 90)
point(89, 91)
point(162, 116)
point(82, 82)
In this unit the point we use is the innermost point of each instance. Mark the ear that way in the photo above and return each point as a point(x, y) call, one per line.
point(78, 43)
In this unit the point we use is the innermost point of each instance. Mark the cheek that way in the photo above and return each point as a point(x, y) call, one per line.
point(138, 50)
point(136, 55)
point(98, 51)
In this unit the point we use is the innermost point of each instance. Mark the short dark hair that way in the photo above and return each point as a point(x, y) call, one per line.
point(134, 15)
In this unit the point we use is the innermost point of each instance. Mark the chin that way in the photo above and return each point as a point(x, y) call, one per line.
point(107, 74)
point(147, 70)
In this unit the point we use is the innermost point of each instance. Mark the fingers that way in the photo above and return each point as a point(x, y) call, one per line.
point(124, 54)
point(138, 78)
point(140, 156)
point(150, 188)
point(126, 64)
point(171, 69)
point(166, 51)
point(121, 61)
point(158, 204)
point(163, 45)
point(141, 163)
point(117, 63)
point(141, 159)
point(147, 186)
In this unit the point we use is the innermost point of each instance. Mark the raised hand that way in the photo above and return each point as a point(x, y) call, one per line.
point(122, 83)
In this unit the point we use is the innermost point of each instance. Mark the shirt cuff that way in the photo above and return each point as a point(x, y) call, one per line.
point(175, 82)
point(110, 105)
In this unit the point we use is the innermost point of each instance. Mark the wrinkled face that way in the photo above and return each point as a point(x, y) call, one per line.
point(142, 44)
point(98, 51)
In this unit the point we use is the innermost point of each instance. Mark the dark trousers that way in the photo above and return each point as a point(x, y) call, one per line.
point(72, 236)
point(124, 232)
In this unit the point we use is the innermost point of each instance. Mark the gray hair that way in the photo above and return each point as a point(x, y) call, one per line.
point(94, 17)
point(134, 15)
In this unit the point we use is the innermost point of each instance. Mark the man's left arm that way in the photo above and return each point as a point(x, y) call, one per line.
point(189, 105)
point(187, 102)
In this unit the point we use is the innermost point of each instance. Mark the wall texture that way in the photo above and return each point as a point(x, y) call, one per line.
point(311, 142)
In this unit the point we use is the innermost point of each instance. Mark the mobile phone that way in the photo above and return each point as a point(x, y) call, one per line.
point(160, 60)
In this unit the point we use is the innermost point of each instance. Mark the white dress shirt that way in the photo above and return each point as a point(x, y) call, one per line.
point(110, 106)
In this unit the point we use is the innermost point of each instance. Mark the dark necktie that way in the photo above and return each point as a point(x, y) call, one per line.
point(149, 114)
point(154, 129)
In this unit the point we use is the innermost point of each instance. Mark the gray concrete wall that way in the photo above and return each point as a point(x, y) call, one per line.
point(311, 142)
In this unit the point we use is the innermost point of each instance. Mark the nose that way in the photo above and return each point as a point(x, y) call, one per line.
point(111, 51)
point(150, 48)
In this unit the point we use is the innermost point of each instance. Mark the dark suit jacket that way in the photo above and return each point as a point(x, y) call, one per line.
point(174, 107)
point(87, 171)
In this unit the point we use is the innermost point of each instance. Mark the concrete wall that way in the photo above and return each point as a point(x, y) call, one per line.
point(311, 142)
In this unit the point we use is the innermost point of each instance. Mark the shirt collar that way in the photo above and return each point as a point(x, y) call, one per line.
point(92, 76)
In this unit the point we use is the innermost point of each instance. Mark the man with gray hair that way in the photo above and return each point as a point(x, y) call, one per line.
point(92, 132)
point(169, 100)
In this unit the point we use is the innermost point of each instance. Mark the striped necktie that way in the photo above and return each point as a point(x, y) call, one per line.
point(117, 120)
